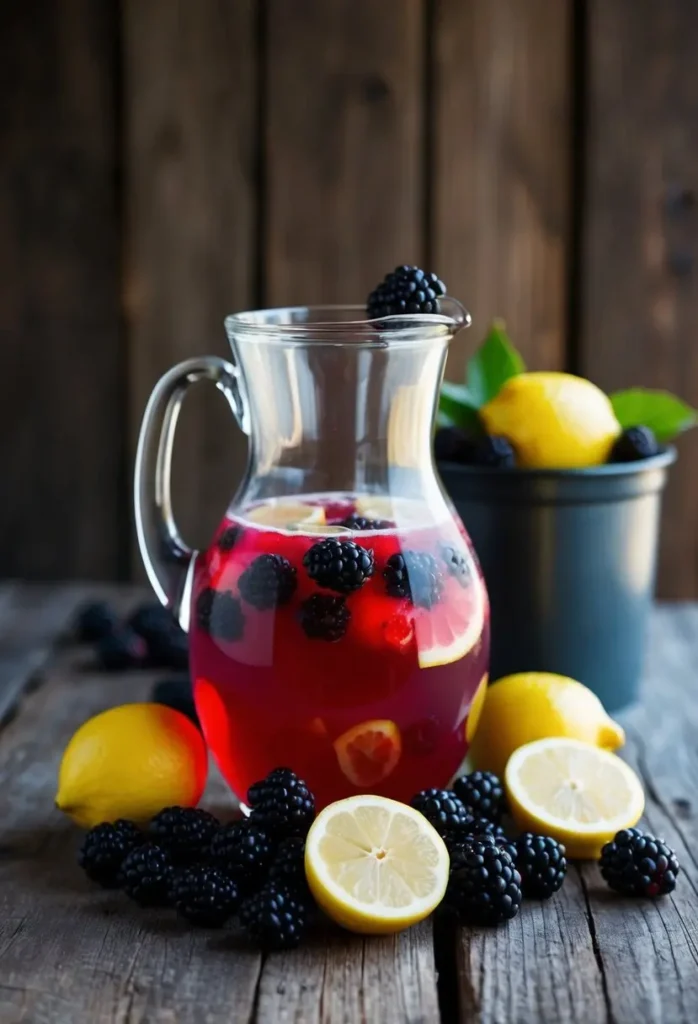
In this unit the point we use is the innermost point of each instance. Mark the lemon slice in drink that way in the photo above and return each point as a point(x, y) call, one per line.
point(374, 865)
point(450, 630)
point(573, 791)
point(287, 515)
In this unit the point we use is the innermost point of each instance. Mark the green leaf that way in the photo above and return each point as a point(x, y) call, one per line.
point(457, 406)
point(661, 411)
point(492, 365)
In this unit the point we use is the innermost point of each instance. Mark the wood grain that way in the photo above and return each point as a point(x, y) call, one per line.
point(343, 130)
point(640, 262)
point(190, 214)
point(500, 174)
point(62, 411)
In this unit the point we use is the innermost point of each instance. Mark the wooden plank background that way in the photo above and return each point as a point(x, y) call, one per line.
point(164, 162)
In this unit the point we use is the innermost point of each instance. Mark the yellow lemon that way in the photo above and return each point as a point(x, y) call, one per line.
point(553, 420)
point(535, 705)
point(374, 865)
point(130, 762)
point(574, 792)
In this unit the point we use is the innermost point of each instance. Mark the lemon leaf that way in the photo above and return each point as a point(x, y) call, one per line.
point(457, 406)
point(664, 413)
point(492, 365)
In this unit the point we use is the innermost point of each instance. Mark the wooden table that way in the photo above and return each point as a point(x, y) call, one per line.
point(72, 953)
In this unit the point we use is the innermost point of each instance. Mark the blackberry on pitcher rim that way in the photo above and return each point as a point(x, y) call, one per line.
point(407, 289)
point(340, 565)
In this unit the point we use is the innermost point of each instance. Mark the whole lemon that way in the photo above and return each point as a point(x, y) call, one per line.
point(534, 706)
point(130, 762)
point(553, 420)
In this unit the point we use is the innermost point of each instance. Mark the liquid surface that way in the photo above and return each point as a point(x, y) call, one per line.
point(359, 679)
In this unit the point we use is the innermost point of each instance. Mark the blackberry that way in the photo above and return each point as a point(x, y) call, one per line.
point(185, 832)
point(268, 581)
point(457, 565)
point(146, 875)
point(95, 621)
point(123, 649)
point(104, 849)
point(633, 444)
point(205, 896)
point(228, 538)
point(458, 850)
point(273, 918)
point(340, 565)
point(496, 452)
point(542, 865)
point(362, 523)
point(414, 575)
point(219, 613)
point(324, 618)
point(281, 804)
point(451, 444)
point(405, 290)
point(484, 886)
point(288, 869)
point(472, 826)
point(442, 808)
point(152, 620)
point(176, 694)
point(482, 793)
point(638, 864)
point(243, 851)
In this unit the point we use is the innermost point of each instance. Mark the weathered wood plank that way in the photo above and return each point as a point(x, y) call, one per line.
point(32, 620)
point(190, 96)
point(541, 969)
point(343, 146)
point(61, 389)
point(341, 979)
point(655, 943)
point(70, 953)
point(500, 134)
point(640, 260)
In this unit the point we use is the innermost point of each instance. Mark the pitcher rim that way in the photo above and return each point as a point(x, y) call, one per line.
point(322, 323)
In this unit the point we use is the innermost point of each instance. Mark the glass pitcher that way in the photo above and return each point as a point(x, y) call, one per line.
point(338, 622)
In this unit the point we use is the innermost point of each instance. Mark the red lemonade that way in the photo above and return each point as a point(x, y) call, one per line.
point(344, 637)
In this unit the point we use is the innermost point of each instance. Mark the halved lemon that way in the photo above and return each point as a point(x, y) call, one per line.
point(573, 791)
point(287, 515)
point(369, 752)
point(374, 865)
point(450, 629)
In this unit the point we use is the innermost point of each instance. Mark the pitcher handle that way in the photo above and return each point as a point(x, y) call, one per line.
point(168, 560)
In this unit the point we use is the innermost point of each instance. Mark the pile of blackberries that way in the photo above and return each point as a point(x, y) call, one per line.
point(491, 874)
point(209, 872)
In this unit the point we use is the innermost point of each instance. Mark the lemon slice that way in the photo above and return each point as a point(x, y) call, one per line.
point(287, 515)
point(573, 791)
point(374, 865)
point(450, 630)
point(369, 752)
point(374, 506)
